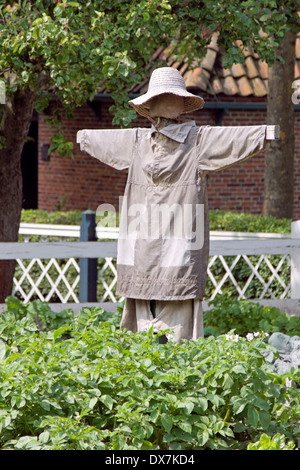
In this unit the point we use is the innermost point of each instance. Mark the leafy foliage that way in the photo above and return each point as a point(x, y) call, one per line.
point(278, 442)
point(38, 216)
point(244, 316)
point(245, 222)
point(80, 382)
point(219, 220)
point(67, 49)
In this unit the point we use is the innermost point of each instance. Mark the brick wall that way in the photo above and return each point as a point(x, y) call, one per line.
point(85, 183)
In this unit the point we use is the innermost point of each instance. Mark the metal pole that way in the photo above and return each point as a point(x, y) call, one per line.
point(88, 266)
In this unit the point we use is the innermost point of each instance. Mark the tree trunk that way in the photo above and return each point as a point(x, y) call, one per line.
point(16, 121)
point(279, 155)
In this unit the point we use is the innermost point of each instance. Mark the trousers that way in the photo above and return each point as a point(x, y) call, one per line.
point(183, 317)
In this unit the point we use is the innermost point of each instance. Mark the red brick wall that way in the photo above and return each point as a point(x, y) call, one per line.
point(80, 183)
point(85, 183)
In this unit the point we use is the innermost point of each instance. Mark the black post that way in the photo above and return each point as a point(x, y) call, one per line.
point(88, 267)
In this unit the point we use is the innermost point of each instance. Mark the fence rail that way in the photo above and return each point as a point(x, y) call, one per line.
point(59, 270)
point(99, 249)
point(58, 250)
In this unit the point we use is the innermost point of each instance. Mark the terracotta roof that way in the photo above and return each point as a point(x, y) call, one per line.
point(247, 79)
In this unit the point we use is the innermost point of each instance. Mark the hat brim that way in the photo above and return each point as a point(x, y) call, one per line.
point(191, 102)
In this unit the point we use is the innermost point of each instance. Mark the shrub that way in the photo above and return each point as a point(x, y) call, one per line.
point(244, 316)
point(245, 222)
point(219, 220)
point(38, 216)
point(278, 442)
point(81, 382)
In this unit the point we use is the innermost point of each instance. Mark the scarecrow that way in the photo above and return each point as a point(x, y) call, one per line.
point(163, 245)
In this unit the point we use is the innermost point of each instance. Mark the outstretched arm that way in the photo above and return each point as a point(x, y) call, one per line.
point(111, 146)
point(220, 147)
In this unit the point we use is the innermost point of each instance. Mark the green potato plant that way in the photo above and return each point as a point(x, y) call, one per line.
point(81, 382)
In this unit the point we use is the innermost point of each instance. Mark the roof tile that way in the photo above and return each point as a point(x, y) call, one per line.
point(209, 59)
point(217, 85)
point(252, 70)
point(229, 85)
point(263, 69)
point(197, 78)
point(238, 70)
point(249, 78)
point(244, 85)
point(258, 86)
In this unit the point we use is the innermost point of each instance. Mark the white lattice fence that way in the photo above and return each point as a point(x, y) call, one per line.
point(238, 264)
point(53, 280)
point(272, 283)
point(108, 279)
point(47, 279)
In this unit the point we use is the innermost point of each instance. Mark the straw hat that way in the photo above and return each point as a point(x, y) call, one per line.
point(166, 80)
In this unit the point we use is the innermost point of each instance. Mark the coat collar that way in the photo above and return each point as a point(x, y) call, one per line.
point(177, 132)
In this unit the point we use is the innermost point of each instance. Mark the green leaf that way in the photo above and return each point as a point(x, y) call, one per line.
point(60, 331)
point(185, 426)
point(146, 362)
point(81, 379)
point(44, 437)
point(45, 404)
point(188, 406)
point(239, 406)
point(203, 437)
point(253, 416)
point(25, 76)
point(20, 402)
point(264, 18)
point(167, 422)
point(69, 398)
point(265, 419)
point(93, 402)
point(239, 369)
point(26, 442)
point(107, 401)
point(203, 403)
point(239, 427)
point(227, 383)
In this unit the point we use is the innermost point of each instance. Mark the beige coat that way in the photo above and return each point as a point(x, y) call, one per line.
point(163, 245)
